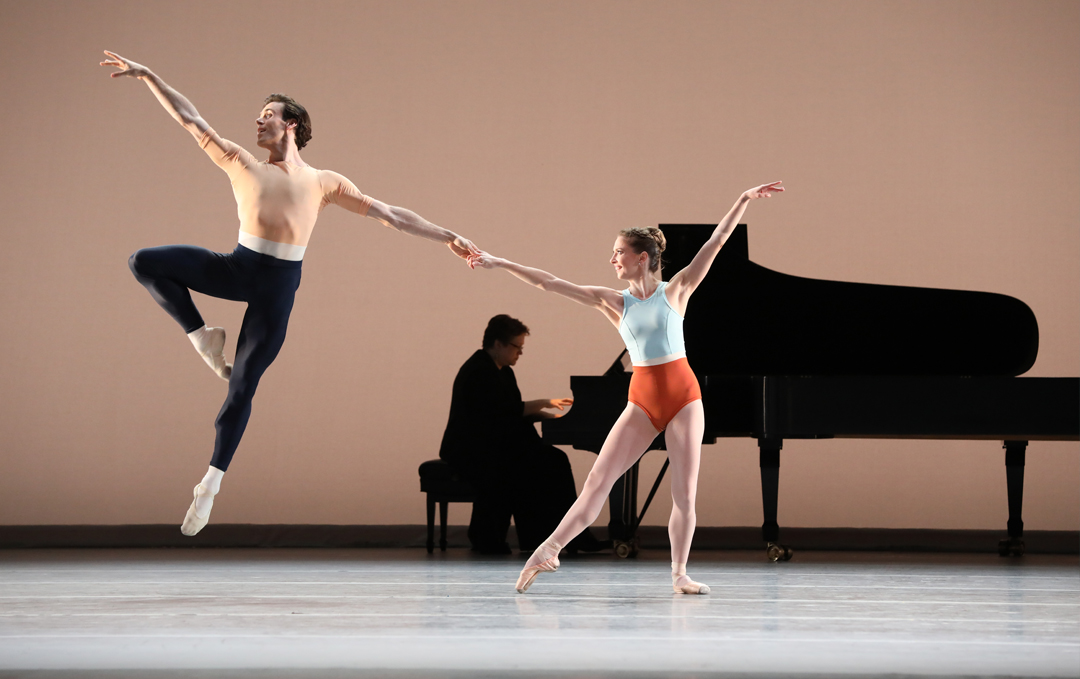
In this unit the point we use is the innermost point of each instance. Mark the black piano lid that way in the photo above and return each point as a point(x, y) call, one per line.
point(746, 319)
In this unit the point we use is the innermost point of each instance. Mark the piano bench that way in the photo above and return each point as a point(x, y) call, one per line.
point(443, 486)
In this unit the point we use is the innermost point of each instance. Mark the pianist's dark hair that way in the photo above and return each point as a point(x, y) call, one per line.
point(503, 328)
point(647, 239)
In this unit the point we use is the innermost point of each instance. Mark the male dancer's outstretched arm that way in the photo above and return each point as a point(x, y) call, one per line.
point(177, 105)
point(184, 112)
point(407, 221)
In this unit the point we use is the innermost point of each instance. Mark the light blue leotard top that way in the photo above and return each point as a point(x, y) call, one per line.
point(651, 328)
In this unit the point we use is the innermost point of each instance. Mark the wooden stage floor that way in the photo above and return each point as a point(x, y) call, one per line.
point(403, 614)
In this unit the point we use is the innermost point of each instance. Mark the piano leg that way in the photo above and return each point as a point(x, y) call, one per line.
point(1015, 457)
point(769, 457)
point(622, 502)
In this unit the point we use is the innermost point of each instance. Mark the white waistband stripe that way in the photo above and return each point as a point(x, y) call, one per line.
point(292, 253)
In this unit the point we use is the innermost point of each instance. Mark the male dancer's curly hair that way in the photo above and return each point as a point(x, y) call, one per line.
point(293, 111)
point(647, 239)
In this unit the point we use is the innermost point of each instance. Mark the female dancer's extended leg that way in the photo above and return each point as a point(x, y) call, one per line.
point(683, 437)
point(625, 444)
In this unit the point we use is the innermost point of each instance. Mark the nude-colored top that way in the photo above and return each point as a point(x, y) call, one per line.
point(280, 201)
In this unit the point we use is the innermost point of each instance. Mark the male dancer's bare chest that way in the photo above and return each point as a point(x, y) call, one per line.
point(278, 204)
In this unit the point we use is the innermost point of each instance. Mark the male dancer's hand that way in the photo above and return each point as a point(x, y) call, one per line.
point(127, 66)
point(463, 247)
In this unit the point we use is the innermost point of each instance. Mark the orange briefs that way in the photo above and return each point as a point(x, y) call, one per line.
point(663, 390)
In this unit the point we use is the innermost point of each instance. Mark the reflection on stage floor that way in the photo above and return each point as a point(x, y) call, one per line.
point(404, 614)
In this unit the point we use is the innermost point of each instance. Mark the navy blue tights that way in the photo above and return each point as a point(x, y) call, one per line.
point(266, 283)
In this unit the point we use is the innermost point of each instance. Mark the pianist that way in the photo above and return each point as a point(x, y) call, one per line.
point(491, 441)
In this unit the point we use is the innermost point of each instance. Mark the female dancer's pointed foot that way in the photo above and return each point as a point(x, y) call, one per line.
point(544, 559)
point(199, 512)
point(210, 343)
point(529, 573)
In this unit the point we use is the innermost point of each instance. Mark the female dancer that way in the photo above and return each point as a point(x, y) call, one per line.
point(664, 392)
point(278, 201)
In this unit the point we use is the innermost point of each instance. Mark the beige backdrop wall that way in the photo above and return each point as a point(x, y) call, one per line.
point(923, 143)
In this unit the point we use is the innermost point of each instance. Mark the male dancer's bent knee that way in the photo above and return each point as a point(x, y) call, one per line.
point(266, 283)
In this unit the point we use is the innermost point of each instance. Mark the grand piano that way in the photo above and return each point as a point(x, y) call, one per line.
point(784, 357)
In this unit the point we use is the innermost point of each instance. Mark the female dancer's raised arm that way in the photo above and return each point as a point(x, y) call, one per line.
point(683, 284)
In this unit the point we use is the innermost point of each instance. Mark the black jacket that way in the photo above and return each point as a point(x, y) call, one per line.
point(487, 423)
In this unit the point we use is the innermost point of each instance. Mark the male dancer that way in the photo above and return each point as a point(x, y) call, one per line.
point(278, 202)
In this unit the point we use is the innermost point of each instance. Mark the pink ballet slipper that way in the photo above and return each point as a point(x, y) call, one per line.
point(544, 559)
point(684, 585)
point(681, 582)
point(529, 573)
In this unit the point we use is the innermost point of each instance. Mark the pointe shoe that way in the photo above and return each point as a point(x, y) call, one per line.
point(529, 573)
point(689, 587)
point(214, 354)
point(193, 523)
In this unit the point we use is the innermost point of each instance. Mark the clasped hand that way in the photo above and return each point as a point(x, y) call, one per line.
point(464, 248)
point(482, 260)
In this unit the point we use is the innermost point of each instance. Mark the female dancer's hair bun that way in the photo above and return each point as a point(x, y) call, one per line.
point(658, 236)
point(647, 239)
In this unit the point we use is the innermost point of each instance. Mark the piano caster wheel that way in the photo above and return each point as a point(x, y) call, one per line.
point(626, 550)
point(777, 552)
point(1011, 547)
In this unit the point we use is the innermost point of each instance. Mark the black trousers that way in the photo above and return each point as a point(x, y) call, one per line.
point(266, 283)
point(534, 484)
